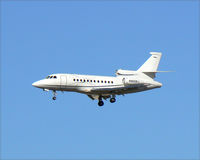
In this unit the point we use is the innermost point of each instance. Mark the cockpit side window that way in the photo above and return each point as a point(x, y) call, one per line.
point(54, 77)
point(47, 77)
point(51, 77)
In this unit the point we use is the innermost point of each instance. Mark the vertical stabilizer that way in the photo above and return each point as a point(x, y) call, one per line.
point(151, 65)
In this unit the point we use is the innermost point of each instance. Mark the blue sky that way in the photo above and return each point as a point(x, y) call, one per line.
point(85, 37)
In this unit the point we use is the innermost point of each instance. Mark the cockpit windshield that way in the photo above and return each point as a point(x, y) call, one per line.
point(50, 77)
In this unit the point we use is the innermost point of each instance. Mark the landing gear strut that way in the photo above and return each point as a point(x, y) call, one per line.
point(54, 95)
point(100, 103)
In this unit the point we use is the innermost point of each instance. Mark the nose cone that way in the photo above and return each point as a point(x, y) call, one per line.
point(36, 84)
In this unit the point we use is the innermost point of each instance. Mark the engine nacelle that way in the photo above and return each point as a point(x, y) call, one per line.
point(125, 72)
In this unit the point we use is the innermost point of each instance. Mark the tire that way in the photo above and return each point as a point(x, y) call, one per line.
point(101, 103)
point(54, 98)
point(112, 100)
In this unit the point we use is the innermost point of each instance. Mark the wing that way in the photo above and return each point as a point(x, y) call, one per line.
point(109, 91)
point(93, 96)
point(105, 92)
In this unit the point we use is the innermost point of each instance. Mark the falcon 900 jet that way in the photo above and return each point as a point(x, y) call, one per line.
point(103, 87)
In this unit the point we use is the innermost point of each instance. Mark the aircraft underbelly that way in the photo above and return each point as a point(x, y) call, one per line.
point(106, 90)
point(120, 91)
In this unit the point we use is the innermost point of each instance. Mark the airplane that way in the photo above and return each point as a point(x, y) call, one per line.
point(104, 87)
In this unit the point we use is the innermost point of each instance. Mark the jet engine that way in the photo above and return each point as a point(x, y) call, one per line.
point(125, 72)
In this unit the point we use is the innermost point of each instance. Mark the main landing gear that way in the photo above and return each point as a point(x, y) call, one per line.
point(112, 100)
point(100, 103)
point(54, 95)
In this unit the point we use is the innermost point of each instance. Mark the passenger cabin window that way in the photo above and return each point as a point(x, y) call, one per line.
point(90, 80)
point(84, 80)
point(94, 80)
point(77, 80)
point(74, 79)
point(98, 81)
point(111, 81)
point(87, 80)
point(101, 81)
point(108, 81)
point(105, 81)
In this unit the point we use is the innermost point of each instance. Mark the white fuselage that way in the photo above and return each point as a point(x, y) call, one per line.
point(101, 85)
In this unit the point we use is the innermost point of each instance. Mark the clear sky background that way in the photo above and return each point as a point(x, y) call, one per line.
point(39, 38)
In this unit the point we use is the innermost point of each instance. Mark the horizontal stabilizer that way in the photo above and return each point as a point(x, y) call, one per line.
point(153, 74)
point(158, 71)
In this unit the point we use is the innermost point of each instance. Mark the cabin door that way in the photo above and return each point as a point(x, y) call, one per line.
point(63, 81)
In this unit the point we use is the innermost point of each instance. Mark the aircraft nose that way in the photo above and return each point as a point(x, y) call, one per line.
point(35, 84)
point(38, 84)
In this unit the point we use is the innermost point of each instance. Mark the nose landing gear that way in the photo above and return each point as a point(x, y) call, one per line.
point(54, 95)
point(54, 98)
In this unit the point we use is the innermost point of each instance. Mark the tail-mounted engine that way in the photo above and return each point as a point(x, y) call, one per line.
point(125, 72)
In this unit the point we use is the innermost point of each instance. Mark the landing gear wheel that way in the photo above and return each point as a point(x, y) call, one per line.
point(112, 100)
point(54, 98)
point(100, 103)
point(54, 95)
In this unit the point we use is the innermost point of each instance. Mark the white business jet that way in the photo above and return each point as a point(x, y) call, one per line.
point(103, 87)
